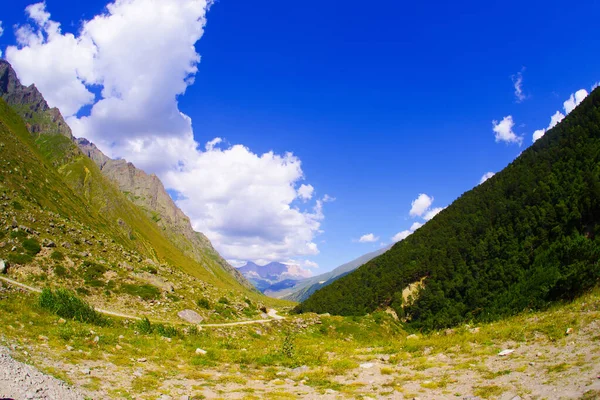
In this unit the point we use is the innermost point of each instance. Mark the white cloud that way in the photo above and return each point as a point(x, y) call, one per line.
point(141, 55)
point(295, 271)
point(310, 264)
point(432, 213)
point(569, 105)
point(210, 145)
point(1, 29)
point(517, 80)
point(595, 85)
point(401, 236)
point(305, 192)
point(368, 238)
point(328, 199)
point(504, 131)
point(420, 205)
point(486, 176)
point(415, 226)
point(574, 100)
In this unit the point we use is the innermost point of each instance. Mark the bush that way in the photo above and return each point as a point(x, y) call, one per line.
point(223, 300)
point(60, 271)
point(144, 326)
point(92, 273)
point(146, 292)
point(203, 303)
point(32, 246)
point(17, 205)
point(21, 259)
point(166, 330)
point(66, 304)
point(57, 255)
point(18, 234)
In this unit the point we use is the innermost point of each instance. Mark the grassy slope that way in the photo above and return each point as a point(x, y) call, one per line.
point(50, 161)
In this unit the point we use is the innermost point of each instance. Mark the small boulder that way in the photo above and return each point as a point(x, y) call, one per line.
point(190, 316)
point(48, 243)
point(3, 266)
point(506, 352)
point(201, 352)
point(367, 365)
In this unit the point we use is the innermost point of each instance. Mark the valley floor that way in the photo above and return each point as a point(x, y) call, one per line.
point(556, 354)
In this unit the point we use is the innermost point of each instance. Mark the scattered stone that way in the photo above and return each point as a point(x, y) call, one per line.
point(43, 338)
point(3, 266)
point(413, 336)
point(449, 332)
point(69, 348)
point(142, 360)
point(118, 347)
point(300, 370)
point(330, 391)
point(367, 365)
point(200, 351)
point(506, 352)
point(190, 316)
point(62, 321)
point(66, 245)
point(48, 243)
point(569, 331)
point(96, 339)
point(474, 330)
point(86, 371)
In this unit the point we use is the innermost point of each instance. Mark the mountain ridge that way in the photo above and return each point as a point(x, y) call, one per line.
point(527, 237)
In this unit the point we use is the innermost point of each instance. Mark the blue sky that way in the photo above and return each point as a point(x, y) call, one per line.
point(380, 101)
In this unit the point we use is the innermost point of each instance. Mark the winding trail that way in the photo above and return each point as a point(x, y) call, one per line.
point(271, 313)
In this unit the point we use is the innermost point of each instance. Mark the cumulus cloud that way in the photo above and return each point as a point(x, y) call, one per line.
point(131, 63)
point(432, 213)
point(305, 192)
point(503, 131)
point(1, 29)
point(310, 264)
point(486, 176)
point(328, 199)
point(569, 105)
point(368, 238)
point(415, 226)
point(420, 205)
point(517, 80)
point(401, 235)
point(574, 100)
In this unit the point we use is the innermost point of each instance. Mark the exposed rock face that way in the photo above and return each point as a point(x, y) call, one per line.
point(148, 192)
point(30, 103)
point(190, 316)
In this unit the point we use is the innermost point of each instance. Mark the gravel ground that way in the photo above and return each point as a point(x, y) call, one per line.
point(20, 381)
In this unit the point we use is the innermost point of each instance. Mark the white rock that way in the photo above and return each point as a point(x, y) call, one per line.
point(200, 351)
point(367, 365)
point(506, 352)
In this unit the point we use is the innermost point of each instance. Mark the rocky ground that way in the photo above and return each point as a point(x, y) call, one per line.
point(22, 381)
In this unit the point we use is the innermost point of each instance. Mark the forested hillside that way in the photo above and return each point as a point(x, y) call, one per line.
point(526, 237)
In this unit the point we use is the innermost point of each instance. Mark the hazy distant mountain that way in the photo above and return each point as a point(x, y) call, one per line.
point(273, 276)
point(302, 289)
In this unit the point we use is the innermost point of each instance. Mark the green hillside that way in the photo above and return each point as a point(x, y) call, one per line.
point(524, 238)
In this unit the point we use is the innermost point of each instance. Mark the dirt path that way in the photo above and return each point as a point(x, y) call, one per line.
point(271, 313)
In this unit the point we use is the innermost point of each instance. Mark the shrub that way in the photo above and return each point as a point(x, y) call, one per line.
point(144, 326)
point(203, 303)
point(57, 255)
point(31, 246)
point(223, 300)
point(18, 234)
point(166, 330)
point(17, 205)
point(92, 273)
point(66, 304)
point(21, 259)
point(146, 292)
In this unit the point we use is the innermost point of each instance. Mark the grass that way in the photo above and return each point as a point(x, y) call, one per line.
point(66, 304)
point(145, 292)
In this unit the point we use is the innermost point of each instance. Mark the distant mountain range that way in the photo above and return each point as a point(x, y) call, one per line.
point(300, 290)
point(274, 276)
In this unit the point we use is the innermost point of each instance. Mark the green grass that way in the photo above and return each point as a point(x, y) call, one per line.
point(31, 246)
point(66, 304)
point(145, 292)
